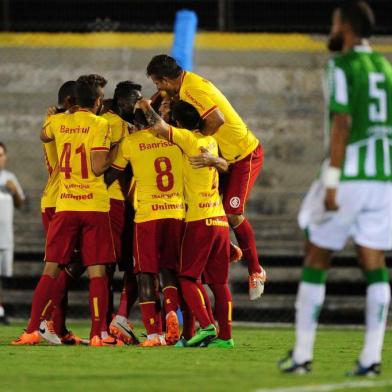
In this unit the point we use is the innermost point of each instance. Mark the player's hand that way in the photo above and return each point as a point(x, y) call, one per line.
point(142, 103)
point(51, 110)
point(11, 187)
point(330, 200)
point(205, 159)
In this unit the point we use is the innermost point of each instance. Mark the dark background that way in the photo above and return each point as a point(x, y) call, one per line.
point(157, 15)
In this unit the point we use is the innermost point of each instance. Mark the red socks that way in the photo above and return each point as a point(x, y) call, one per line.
point(129, 295)
point(206, 301)
point(188, 326)
point(60, 302)
point(151, 317)
point(42, 303)
point(194, 298)
point(170, 298)
point(246, 241)
point(98, 305)
point(223, 309)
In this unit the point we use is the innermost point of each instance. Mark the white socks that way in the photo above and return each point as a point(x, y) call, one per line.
point(2, 313)
point(378, 297)
point(310, 298)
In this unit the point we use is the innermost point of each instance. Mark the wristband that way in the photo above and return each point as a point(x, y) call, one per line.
point(331, 177)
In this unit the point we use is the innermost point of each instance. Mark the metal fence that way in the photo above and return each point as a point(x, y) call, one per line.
point(274, 81)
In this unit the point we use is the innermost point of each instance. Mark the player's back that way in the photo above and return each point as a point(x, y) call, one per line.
point(158, 173)
point(234, 138)
point(201, 185)
point(367, 97)
point(76, 136)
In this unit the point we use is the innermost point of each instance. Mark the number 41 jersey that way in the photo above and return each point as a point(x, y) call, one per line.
point(359, 83)
point(157, 170)
point(77, 136)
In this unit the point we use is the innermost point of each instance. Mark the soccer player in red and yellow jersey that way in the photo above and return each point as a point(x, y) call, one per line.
point(157, 169)
point(82, 142)
point(206, 224)
point(125, 96)
point(237, 144)
point(66, 100)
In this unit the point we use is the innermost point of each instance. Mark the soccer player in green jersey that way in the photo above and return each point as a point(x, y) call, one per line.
point(352, 197)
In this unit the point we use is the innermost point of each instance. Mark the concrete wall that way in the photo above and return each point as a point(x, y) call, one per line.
point(278, 94)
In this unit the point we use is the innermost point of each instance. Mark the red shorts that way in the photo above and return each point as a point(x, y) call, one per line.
point(47, 216)
point(157, 245)
point(205, 250)
point(121, 221)
point(93, 231)
point(237, 184)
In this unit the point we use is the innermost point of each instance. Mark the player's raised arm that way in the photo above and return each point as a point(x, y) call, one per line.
point(212, 122)
point(157, 124)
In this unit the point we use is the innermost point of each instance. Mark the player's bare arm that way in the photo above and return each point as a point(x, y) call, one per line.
point(17, 198)
point(206, 159)
point(213, 122)
point(101, 161)
point(158, 126)
point(112, 175)
point(339, 137)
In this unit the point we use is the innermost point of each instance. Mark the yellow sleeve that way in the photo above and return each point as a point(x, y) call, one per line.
point(184, 139)
point(47, 129)
point(200, 100)
point(122, 157)
point(101, 138)
point(117, 131)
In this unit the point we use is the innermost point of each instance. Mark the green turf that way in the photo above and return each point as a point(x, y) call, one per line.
point(249, 366)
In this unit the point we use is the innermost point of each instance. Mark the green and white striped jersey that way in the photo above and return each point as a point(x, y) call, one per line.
point(359, 83)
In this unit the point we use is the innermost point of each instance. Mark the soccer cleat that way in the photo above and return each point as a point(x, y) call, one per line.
point(203, 335)
point(96, 341)
point(27, 339)
point(288, 365)
point(221, 343)
point(235, 253)
point(70, 339)
point(181, 343)
point(122, 329)
point(370, 371)
point(46, 330)
point(172, 328)
point(154, 341)
point(256, 284)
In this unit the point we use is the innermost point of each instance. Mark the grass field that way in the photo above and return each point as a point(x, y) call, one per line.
point(251, 366)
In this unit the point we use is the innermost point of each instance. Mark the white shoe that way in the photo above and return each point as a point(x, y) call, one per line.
point(256, 284)
point(47, 332)
point(122, 329)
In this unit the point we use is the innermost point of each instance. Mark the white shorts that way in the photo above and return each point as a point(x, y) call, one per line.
point(6, 262)
point(365, 214)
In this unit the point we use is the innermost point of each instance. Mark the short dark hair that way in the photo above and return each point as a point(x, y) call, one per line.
point(124, 89)
point(360, 17)
point(187, 115)
point(163, 66)
point(2, 145)
point(66, 90)
point(87, 89)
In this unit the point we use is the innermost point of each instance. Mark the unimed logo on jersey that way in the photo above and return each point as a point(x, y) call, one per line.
point(235, 202)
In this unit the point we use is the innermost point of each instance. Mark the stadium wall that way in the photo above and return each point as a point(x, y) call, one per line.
point(273, 80)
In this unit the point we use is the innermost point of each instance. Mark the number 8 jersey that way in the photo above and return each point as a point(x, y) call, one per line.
point(157, 169)
point(359, 83)
point(76, 136)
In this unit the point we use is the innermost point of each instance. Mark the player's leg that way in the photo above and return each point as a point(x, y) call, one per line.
point(6, 271)
point(146, 267)
point(192, 265)
point(95, 230)
point(216, 275)
point(378, 296)
point(242, 177)
point(372, 235)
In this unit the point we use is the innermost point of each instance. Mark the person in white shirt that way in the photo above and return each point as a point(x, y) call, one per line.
point(11, 195)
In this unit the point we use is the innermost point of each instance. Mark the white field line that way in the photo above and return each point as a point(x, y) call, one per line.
point(330, 387)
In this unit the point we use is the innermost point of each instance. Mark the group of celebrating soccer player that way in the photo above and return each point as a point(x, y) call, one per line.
point(137, 182)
